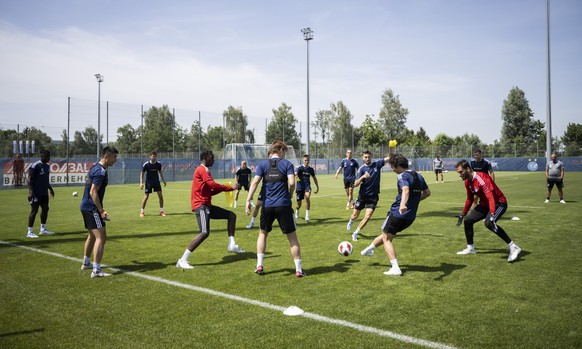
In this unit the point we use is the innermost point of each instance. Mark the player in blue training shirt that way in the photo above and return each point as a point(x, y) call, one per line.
point(153, 171)
point(303, 175)
point(94, 215)
point(279, 182)
point(38, 193)
point(412, 188)
point(350, 167)
point(368, 179)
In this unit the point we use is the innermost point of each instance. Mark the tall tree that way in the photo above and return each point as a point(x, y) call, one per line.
point(342, 128)
point(160, 130)
point(236, 125)
point(393, 117)
point(214, 138)
point(85, 142)
point(282, 126)
point(197, 139)
point(322, 125)
point(371, 133)
point(572, 140)
point(128, 139)
point(519, 125)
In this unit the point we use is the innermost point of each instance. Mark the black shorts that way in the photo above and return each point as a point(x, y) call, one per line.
point(205, 213)
point(558, 182)
point(244, 186)
point(38, 200)
point(150, 188)
point(93, 220)
point(366, 202)
point(438, 170)
point(394, 225)
point(349, 183)
point(283, 215)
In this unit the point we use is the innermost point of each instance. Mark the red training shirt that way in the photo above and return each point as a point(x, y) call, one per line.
point(485, 188)
point(204, 186)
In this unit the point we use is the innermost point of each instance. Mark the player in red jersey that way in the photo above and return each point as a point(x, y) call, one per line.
point(492, 205)
point(203, 187)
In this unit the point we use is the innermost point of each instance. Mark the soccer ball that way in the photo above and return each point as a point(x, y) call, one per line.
point(75, 193)
point(345, 248)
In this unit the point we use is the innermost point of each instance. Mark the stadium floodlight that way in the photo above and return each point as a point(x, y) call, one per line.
point(99, 81)
point(307, 36)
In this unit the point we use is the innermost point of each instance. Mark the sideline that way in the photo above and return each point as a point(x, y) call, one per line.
point(313, 316)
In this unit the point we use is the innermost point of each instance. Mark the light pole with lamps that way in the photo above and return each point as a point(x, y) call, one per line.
point(99, 81)
point(307, 36)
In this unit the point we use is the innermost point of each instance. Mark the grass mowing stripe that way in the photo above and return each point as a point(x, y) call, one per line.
point(312, 316)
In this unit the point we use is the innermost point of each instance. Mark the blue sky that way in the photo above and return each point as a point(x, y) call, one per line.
point(452, 62)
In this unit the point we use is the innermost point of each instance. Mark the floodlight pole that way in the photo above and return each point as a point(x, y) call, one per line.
point(99, 81)
point(307, 36)
point(548, 91)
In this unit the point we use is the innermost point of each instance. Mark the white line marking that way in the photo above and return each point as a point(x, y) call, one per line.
point(312, 316)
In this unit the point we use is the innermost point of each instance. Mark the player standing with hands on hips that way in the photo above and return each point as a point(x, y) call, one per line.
point(555, 176)
point(492, 205)
point(94, 215)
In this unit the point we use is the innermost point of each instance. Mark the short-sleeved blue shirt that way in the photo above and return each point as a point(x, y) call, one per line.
point(350, 167)
point(97, 175)
point(276, 193)
point(371, 186)
point(39, 178)
point(304, 175)
point(406, 179)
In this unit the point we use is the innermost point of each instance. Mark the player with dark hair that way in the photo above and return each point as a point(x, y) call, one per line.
point(350, 167)
point(153, 171)
point(279, 181)
point(303, 175)
point(38, 193)
point(243, 178)
point(492, 205)
point(94, 215)
point(412, 189)
point(555, 176)
point(369, 178)
point(479, 164)
point(203, 188)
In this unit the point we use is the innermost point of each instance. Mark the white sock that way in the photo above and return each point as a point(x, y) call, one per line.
point(297, 264)
point(306, 213)
point(186, 255)
point(297, 212)
point(357, 230)
point(30, 229)
point(511, 244)
point(161, 209)
point(86, 260)
point(252, 219)
point(472, 247)
point(348, 204)
point(371, 247)
point(141, 210)
point(43, 227)
point(260, 257)
point(96, 267)
point(231, 241)
point(394, 263)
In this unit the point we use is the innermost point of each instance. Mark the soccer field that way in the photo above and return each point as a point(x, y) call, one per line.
point(442, 300)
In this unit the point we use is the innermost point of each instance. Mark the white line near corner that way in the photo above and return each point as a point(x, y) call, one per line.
point(312, 316)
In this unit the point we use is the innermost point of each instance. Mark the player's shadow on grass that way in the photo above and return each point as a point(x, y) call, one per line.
point(445, 268)
point(336, 268)
point(236, 257)
point(19, 333)
point(328, 220)
point(503, 252)
point(138, 266)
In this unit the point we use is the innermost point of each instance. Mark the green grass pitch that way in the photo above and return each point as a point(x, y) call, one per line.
point(443, 299)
